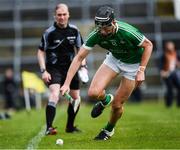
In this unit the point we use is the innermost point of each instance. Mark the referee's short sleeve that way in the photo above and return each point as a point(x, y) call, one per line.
point(41, 45)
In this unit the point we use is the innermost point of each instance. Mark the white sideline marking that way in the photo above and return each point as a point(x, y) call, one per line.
point(33, 143)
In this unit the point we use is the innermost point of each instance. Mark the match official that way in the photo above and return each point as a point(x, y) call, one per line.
point(56, 51)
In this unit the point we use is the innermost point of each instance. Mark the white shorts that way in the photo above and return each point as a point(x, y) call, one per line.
point(128, 71)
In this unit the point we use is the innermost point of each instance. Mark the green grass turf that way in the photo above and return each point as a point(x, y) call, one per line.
point(148, 125)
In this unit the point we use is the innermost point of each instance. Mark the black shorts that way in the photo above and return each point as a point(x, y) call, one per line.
point(58, 75)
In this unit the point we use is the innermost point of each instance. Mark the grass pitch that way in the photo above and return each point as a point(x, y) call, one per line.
point(147, 125)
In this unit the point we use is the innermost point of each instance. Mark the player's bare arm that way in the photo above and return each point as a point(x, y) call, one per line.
point(41, 58)
point(76, 63)
point(83, 63)
point(148, 46)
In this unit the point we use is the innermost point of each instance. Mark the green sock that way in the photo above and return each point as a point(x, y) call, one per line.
point(109, 127)
point(106, 100)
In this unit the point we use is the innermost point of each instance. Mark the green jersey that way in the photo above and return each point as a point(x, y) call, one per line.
point(123, 44)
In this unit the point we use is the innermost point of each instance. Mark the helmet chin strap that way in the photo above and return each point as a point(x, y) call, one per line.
point(114, 27)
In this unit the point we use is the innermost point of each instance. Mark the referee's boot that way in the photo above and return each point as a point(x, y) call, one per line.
point(51, 131)
point(99, 106)
point(73, 130)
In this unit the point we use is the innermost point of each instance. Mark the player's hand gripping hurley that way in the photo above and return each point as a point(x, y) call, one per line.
point(75, 103)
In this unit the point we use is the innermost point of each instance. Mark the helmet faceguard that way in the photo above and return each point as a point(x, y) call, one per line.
point(104, 16)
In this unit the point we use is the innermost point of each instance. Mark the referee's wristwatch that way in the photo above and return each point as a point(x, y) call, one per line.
point(42, 70)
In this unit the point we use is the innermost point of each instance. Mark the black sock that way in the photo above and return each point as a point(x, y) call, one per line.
point(50, 114)
point(71, 116)
point(109, 127)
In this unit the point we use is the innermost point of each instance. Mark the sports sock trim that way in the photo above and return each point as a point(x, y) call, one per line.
point(106, 100)
point(51, 103)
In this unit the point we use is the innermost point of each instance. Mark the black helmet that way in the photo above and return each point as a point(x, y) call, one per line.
point(104, 16)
